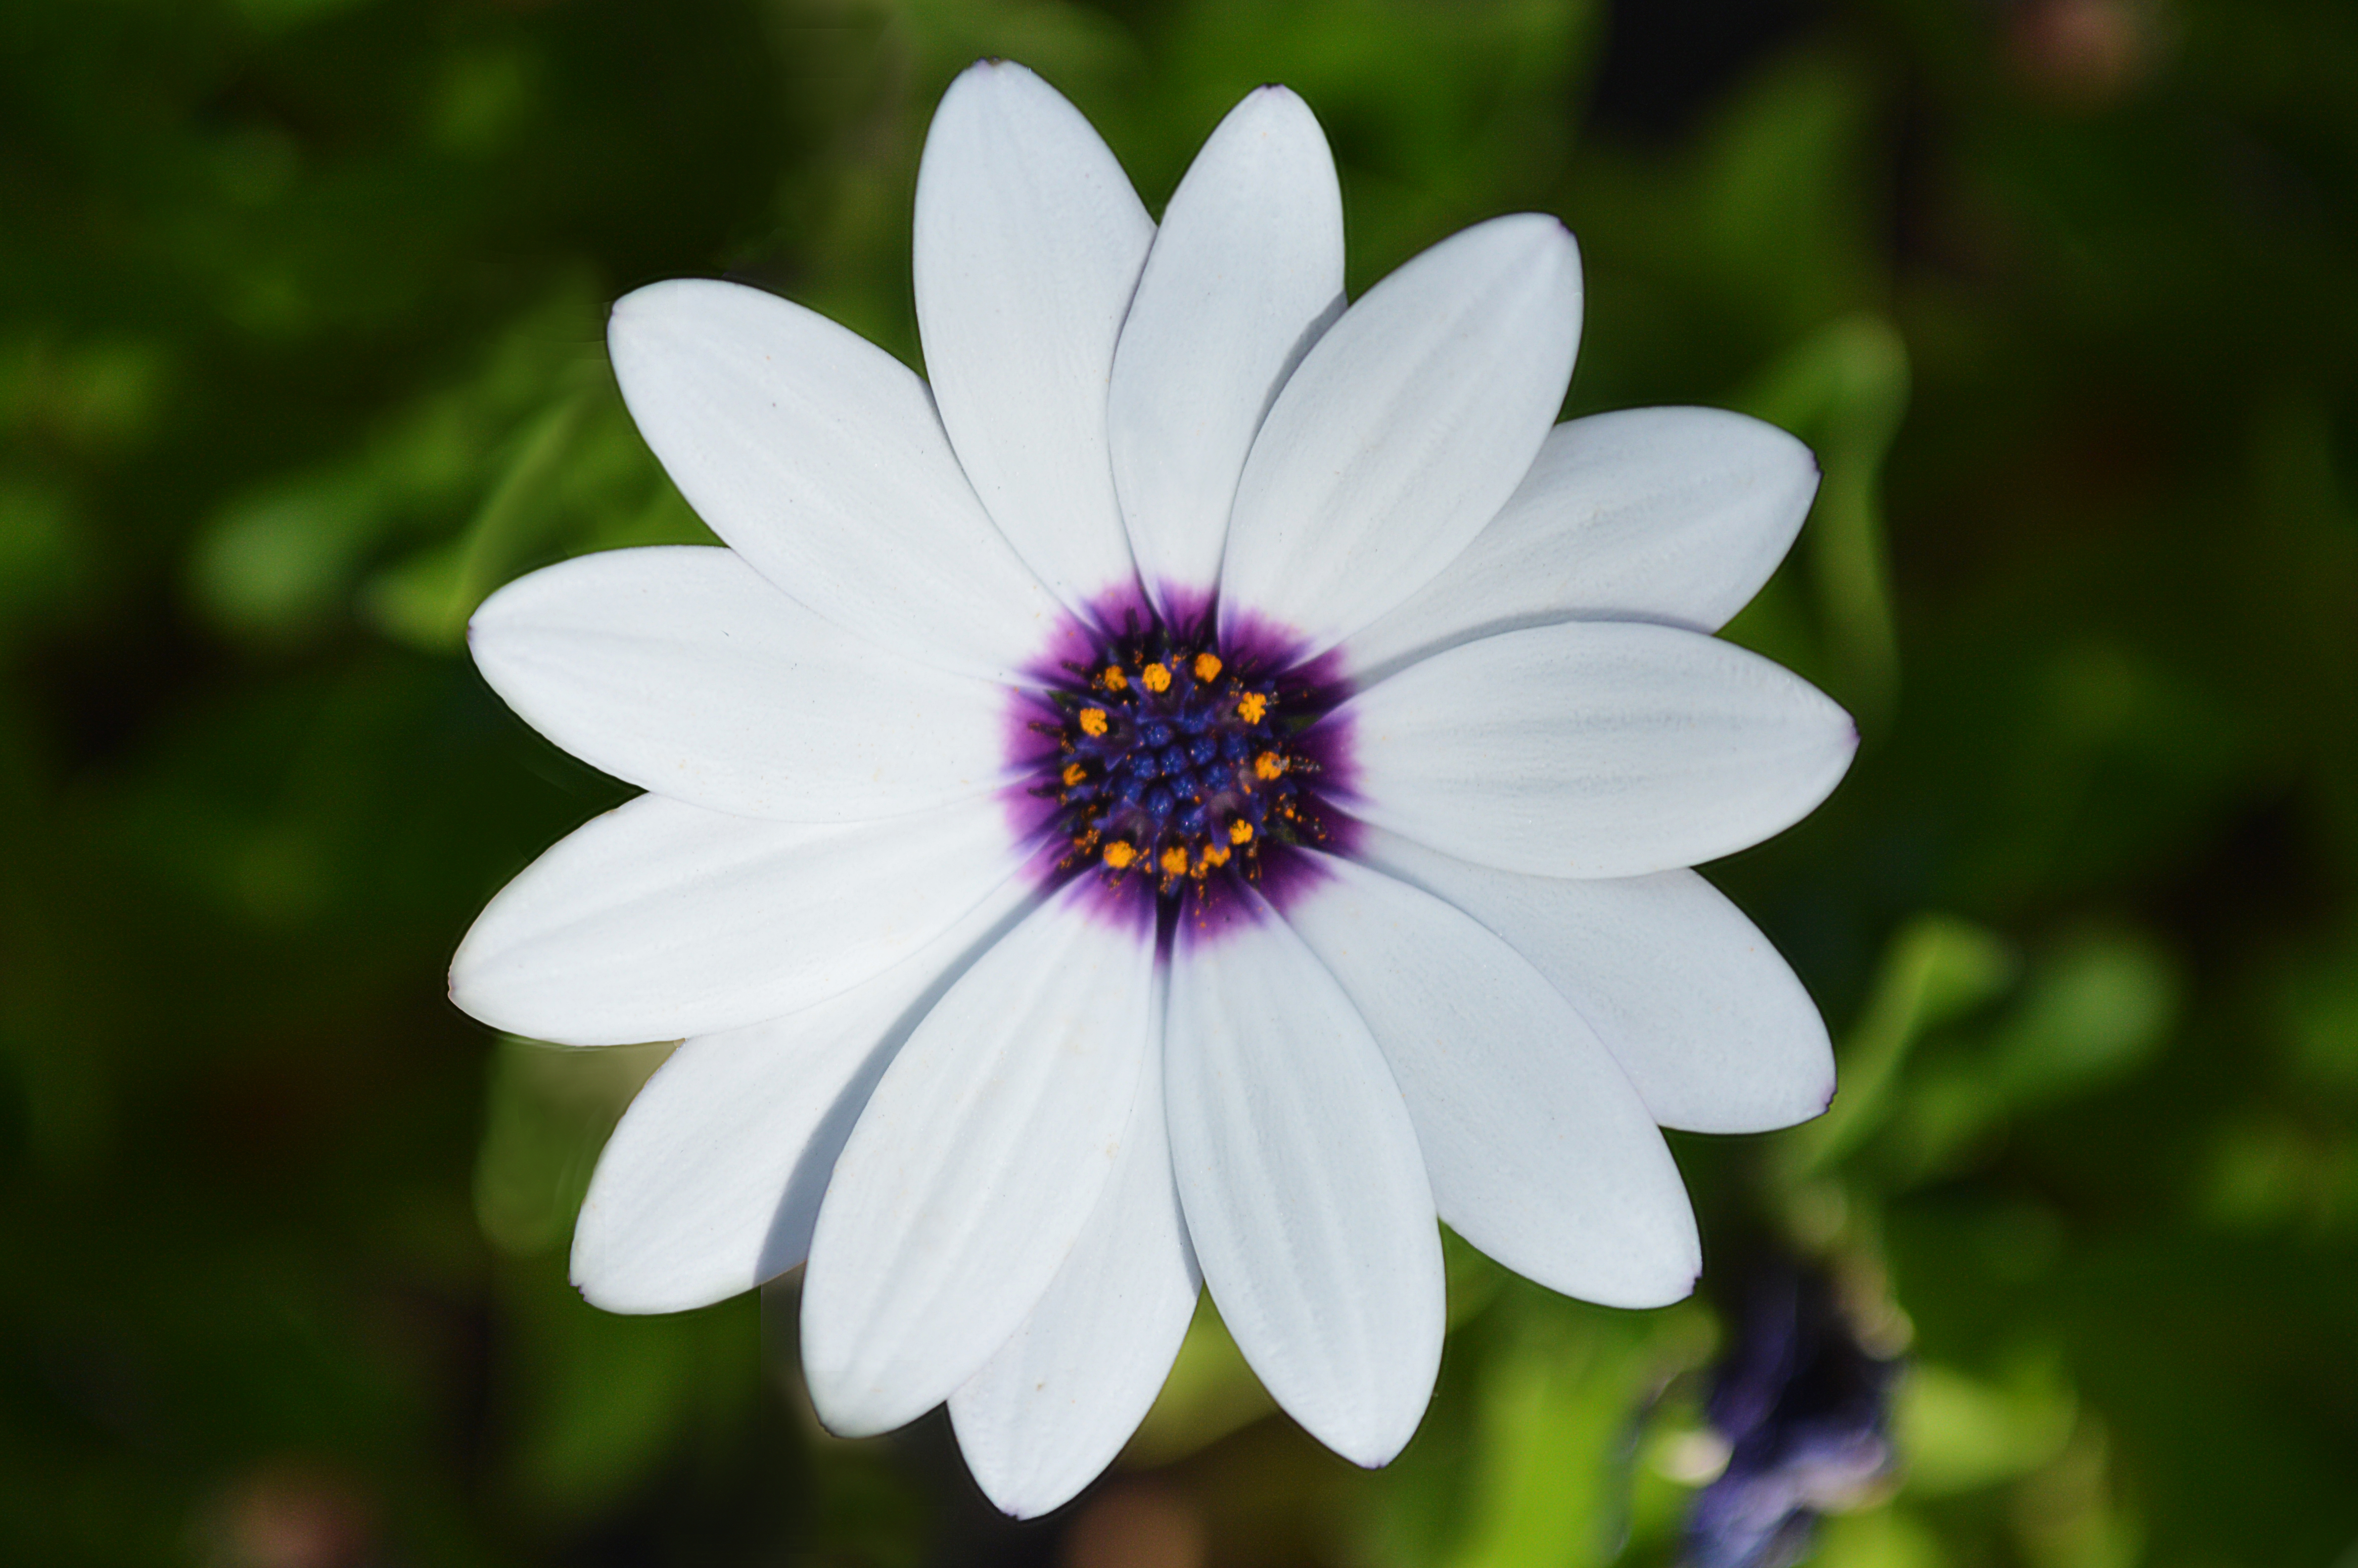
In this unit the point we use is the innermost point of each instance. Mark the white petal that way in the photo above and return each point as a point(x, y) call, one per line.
point(1594, 749)
point(1539, 1153)
point(1056, 1404)
point(681, 670)
point(1709, 1022)
point(1672, 514)
point(659, 920)
point(976, 1163)
point(819, 457)
point(1407, 426)
point(1246, 269)
point(1028, 245)
point(712, 1181)
point(1305, 1195)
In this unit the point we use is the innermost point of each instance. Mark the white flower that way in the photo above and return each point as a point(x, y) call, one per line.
point(1207, 789)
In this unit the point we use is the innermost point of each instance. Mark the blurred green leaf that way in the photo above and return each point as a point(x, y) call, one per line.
point(2091, 1012)
point(2068, 1515)
point(1844, 390)
point(1936, 968)
point(599, 1397)
point(546, 1115)
point(1209, 1394)
point(1879, 1538)
point(1556, 1433)
point(1960, 1434)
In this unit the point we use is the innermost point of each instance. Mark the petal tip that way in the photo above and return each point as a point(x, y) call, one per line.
point(622, 313)
point(1379, 1449)
point(1846, 750)
point(1674, 1285)
point(590, 1263)
point(849, 1413)
point(1026, 1502)
point(474, 979)
point(646, 308)
point(628, 307)
point(597, 1293)
point(1542, 232)
point(1276, 98)
point(607, 1282)
point(484, 620)
point(463, 984)
point(991, 72)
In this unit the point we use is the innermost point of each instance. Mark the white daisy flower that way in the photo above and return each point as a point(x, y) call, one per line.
point(1198, 797)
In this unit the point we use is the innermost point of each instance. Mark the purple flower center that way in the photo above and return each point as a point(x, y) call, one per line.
point(1180, 764)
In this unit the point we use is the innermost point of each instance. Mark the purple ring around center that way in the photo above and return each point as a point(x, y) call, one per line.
point(1304, 694)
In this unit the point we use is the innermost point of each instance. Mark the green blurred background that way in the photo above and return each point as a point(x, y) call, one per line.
point(300, 307)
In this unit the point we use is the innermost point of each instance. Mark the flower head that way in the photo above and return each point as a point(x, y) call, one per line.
point(1805, 1410)
point(1199, 796)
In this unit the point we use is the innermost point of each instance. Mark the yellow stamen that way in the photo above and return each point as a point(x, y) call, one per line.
point(1268, 765)
point(1174, 861)
point(1207, 667)
point(1240, 832)
point(1155, 678)
point(1214, 855)
point(1074, 773)
point(1118, 854)
point(1252, 708)
point(1114, 679)
point(1093, 722)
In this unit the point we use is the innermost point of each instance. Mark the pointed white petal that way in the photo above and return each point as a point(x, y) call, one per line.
point(681, 670)
point(978, 1162)
point(1407, 426)
point(1672, 514)
point(1028, 245)
point(1051, 1410)
point(712, 1181)
point(1304, 1193)
point(1246, 269)
point(1709, 1022)
point(659, 920)
point(1539, 1153)
point(1594, 749)
point(819, 457)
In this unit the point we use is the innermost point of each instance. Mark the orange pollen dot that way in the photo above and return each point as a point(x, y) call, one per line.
point(1074, 773)
point(1118, 854)
point(1240, 831)
point(1214, 855)
point(1207, 667)
point(1114, 679)
point(1174, 861)
point(1155, 678)
point(1268, 765)
point(1093, 722)
point(1252, 708)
